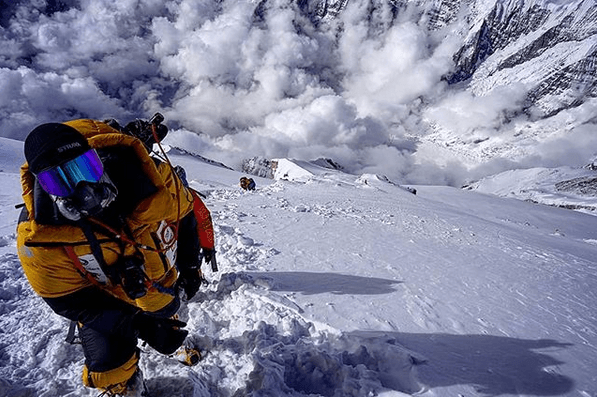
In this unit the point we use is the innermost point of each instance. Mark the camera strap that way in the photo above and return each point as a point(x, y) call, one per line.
point(96, 250)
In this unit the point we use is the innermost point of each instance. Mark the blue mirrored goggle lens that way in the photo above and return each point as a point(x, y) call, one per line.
point(63, 179)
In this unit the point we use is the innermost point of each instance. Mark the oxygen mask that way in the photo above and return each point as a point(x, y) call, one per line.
point(79, 187)
point(88, 199)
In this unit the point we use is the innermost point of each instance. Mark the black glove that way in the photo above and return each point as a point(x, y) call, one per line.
point(209, 256)
point(142, 129)
point(163, 334)
point(190, 280)
point(138, 128)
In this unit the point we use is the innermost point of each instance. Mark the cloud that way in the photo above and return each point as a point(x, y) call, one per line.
point(235, 72)
point(384, 73)
point(466, 113)
point(243, 79)
point(572, 148)
point(30, 98)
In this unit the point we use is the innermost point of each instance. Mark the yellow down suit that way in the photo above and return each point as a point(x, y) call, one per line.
point(152, 218)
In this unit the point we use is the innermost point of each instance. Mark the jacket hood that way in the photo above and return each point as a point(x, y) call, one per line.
point(99, 136)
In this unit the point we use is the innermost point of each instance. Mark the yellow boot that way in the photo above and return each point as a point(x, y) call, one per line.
point(134, 387)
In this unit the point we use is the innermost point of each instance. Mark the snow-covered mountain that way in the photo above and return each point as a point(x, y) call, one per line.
point(336, 285)
point(541, 55)
point(548, 46)
point(544, 51)
point(566, 187)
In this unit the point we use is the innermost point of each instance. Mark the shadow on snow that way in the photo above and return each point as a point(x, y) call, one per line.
point(296, 362)
point(493, 365)
point(310, 283)
point(364, 363)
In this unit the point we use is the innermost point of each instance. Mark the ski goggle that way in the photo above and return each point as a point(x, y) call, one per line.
point(62, 179)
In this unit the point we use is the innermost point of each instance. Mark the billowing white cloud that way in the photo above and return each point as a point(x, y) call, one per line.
point(466, 113)
point(30, 98)
point(238, 79)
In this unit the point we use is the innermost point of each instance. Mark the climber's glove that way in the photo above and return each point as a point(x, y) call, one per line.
point(163, 334)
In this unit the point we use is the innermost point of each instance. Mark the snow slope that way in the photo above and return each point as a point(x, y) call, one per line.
point(567, 187)
point(339, 285)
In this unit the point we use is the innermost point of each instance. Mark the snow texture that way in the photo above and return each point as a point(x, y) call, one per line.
point(333, 284)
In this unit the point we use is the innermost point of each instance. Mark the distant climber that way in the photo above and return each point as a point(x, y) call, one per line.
point(247, 183)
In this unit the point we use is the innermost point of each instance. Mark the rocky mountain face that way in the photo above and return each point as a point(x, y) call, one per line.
point(525, 35)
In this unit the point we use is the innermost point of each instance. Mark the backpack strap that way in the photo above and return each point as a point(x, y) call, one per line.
point(73, 257)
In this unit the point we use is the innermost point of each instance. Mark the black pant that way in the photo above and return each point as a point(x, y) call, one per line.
point(104, 352)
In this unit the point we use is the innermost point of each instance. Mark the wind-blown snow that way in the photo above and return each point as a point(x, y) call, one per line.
point(333, 284)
